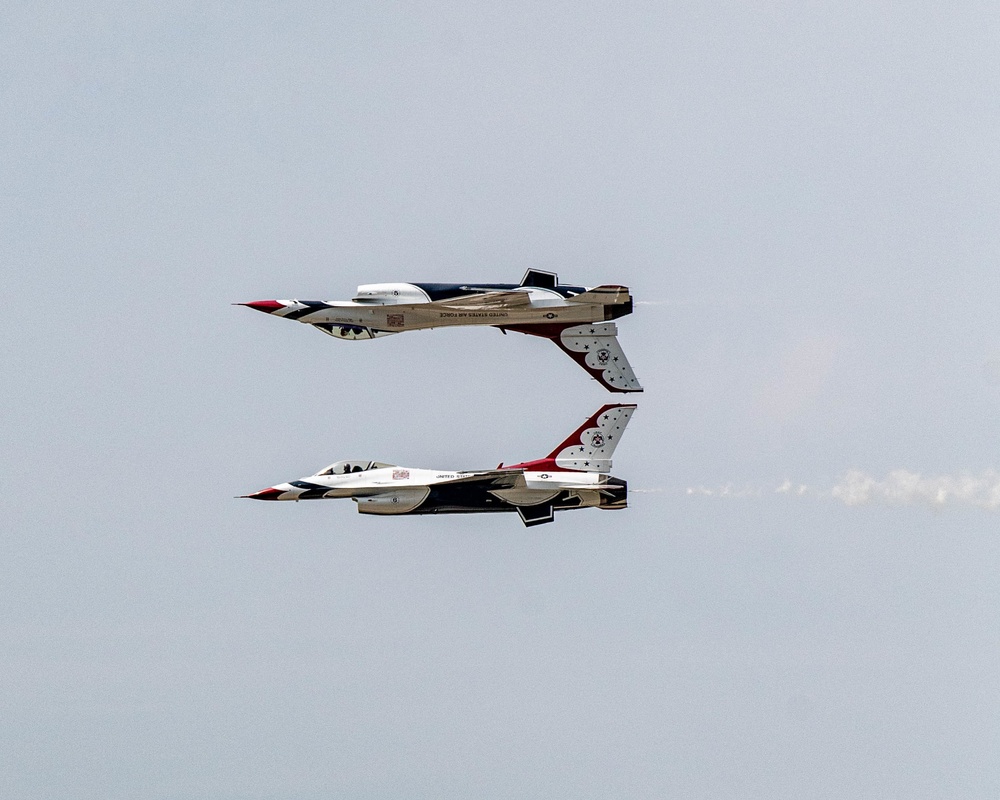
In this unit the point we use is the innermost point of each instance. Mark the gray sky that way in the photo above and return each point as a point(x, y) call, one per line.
point(806, 196)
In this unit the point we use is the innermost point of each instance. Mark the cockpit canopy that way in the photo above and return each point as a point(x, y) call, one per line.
point(352, 465)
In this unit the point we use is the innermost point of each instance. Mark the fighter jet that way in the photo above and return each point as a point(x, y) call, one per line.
point(576, 318)
point(574, 475)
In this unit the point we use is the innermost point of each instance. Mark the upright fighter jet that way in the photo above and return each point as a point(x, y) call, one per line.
point(574, 475)
point(576, 318)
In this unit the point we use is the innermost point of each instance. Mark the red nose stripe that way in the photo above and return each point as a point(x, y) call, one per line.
point(267, 306)
point(265, 494)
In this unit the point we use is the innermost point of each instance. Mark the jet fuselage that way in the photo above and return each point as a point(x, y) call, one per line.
point(574, 475)
point(384, 308)
point(577, 319)
point(399, 490)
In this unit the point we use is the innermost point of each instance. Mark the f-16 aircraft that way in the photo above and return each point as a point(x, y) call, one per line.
point(574, 475)
point(576, 318)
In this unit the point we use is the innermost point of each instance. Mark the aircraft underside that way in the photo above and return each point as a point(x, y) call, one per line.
point(474, 499)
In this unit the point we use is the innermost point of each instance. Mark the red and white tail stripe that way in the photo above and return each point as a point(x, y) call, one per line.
point(590, 447)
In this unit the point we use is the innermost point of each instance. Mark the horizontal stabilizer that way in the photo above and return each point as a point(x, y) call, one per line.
point(604, 296)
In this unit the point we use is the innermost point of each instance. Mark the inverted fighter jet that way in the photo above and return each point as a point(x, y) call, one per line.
point(576, 318)
point(574, 475)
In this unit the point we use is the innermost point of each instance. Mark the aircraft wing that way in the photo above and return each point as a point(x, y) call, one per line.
point(511, 476)
point(595, 348)
point(498, 478)
point(486, 301)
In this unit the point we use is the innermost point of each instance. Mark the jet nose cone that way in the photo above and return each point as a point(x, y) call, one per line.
point(267, 306)
point(264, 494)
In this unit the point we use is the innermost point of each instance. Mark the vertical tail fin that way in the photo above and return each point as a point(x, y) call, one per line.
point(594, 347)
point(590, 447)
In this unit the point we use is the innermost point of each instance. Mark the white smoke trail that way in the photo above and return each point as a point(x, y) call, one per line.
point(704, 491)
point(742, 301)
point(726, 491)
point(729, 490)
point(903, 488)
point(899, 488)
point(789, 488)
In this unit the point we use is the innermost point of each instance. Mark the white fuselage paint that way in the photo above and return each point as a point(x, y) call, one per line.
point(384, 479)
point(534, 489)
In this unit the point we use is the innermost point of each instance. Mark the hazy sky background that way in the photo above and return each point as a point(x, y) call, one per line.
point(805, 194)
